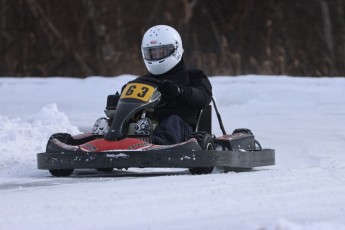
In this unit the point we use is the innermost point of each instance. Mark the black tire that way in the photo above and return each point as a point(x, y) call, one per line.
point(61, 172)
point(257, 144)
point(201, 170)
point(205, 141)
point(63, 137)
point(242, 130)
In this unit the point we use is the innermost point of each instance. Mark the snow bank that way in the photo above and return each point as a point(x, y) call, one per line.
point(21, 138)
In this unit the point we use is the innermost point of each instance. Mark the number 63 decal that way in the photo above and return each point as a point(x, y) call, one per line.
point(139, 91)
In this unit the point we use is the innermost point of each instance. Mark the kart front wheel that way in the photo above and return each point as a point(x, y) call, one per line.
point(61, 172)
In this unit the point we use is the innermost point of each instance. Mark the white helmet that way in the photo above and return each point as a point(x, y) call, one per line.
point(161, 49)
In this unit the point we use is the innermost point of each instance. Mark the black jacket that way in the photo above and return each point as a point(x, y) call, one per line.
point(197, 93)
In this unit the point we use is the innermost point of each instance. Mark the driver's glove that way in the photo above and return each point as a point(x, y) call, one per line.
point(170, 89)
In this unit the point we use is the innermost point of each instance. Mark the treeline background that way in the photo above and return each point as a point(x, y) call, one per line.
point(223, 37)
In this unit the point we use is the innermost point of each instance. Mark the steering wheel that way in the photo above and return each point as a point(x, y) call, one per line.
point(150, 80)
point(156, 82)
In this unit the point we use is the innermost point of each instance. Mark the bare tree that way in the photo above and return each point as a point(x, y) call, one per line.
point(89, 37)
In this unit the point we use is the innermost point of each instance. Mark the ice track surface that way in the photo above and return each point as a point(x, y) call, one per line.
point(302, 118)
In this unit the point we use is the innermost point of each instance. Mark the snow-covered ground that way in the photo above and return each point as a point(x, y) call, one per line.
point(302, 118)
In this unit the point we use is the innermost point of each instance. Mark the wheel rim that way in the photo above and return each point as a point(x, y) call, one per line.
point(209, 146)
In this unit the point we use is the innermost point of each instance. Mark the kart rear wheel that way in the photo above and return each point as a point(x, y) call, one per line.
point(205, 141)
point(257, 144)
point(61, 172)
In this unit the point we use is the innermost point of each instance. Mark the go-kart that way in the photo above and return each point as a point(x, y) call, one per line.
point(117, 142)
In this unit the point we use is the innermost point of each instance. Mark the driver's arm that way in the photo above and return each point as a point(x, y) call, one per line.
point(199, 93)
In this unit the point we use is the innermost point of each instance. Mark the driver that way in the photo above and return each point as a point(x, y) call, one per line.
point(185, 91)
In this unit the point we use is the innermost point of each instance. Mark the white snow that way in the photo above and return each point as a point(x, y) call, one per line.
point(302, 118)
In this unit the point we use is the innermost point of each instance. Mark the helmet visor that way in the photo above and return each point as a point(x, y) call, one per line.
point(158, 52)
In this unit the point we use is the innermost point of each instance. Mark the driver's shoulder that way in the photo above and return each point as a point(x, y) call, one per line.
point(196, 73)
